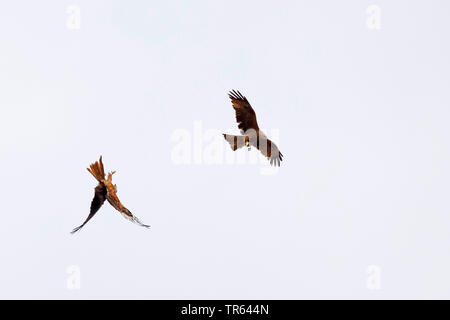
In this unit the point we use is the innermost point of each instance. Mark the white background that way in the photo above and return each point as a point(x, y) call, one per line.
point(363, 122)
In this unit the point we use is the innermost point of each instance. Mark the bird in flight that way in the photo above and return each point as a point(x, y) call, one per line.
point(251, 134)
point(106, 190)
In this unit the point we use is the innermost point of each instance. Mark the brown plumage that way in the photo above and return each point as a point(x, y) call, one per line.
point(251, 134)
point(106, 190)
point(245, 115)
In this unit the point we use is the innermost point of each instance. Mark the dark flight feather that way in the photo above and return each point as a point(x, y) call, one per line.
point(96, 204)
point(245, 115)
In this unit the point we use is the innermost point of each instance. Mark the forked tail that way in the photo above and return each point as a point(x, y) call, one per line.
point(97, 170)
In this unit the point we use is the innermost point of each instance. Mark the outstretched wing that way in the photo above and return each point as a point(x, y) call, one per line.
point(271, 151)
point(112, 198)
point(97, 202)
point(245, 115)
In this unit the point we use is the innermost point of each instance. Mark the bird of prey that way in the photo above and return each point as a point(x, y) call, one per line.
point(251, 134)
point(105, 190)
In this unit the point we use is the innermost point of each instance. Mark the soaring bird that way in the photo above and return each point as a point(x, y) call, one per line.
point(105, 190)
point(251, 134)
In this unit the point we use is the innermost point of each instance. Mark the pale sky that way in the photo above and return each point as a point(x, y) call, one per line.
point(360, 113)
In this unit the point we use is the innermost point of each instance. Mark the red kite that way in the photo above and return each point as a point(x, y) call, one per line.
point(251, 134)
point(105, 190)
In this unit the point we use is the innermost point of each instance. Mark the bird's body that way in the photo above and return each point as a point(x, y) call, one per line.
point(251, 134)
point(106, 190)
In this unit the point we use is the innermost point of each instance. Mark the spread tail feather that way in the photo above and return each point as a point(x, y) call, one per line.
point(97, 170)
